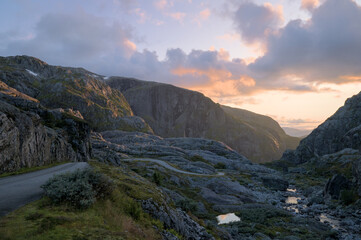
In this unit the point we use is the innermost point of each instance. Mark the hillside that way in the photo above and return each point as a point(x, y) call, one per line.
point(176, 112)
point(74, 88)
point(341, 130)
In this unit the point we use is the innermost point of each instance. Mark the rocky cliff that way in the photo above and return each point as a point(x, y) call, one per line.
point(71, 88)
point(177, 112)
point(31, 135)
point(341, 130)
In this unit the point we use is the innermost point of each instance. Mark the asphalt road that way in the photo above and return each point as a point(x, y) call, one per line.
point(16, 191)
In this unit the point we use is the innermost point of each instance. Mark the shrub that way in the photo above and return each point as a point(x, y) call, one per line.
point(197, 158)
point(187, 205)
point(80, 188)
point(348, 196)
point(157, 178)
point(220, 166)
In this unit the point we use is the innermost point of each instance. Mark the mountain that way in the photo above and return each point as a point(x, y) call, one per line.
point(176, 112)
point(341, 130)
point(297, 132)
point(74, 88)
point(31, 135)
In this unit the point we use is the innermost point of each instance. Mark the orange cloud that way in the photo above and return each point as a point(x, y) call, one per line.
point(309, 4)
point(350, 78)
point(219, 82)
point(204, 15)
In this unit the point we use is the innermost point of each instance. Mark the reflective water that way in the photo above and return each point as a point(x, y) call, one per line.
point(227, 218)
point(292, 200)
point(334, 223)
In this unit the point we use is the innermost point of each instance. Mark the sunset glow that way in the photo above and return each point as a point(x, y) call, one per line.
point(296, 61)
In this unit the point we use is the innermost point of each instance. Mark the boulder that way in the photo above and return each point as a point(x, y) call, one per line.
point(334, 186)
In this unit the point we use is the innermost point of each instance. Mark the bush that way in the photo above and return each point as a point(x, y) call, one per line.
point(79, 189)
point(187, 205)
point(197, 158)
point(348, 196)
point(220, 166)
point(157, 178)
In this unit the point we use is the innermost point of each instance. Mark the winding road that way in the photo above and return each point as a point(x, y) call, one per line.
point(166, 165)
point(16, 191)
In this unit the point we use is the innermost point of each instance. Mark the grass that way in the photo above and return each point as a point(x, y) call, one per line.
point(119, 216)
point(31, 169)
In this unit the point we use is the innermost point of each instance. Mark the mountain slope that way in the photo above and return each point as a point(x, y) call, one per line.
point(266, 124)
point(341, 130)
point(177, 112)
point(31, 135)
point(75, 88)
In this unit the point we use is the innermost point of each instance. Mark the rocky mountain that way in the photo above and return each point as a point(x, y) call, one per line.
point(177, 112)
point(341, 130)
point(71, 88)
point(31, 135)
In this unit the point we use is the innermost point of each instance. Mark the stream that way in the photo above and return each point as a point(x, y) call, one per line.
point(296, 203)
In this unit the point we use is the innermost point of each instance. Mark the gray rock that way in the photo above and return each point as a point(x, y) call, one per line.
point(177, 220)
point(342, 130)
point(177, 112)
point(275, 182)
point(334, 186)
point(31, 135)
point(76, 88)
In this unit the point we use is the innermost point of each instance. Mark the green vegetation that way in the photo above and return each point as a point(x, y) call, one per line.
point(79, 189)
point(348, 197)
point(116, 216)
point(157, 178)
point(30, 169)
point(197, 158)
point(187, 205)
point(220, 165)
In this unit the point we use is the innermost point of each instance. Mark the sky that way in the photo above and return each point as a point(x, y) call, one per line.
point(294, 60)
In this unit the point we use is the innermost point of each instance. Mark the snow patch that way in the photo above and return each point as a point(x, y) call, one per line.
point(31, 72)
point(105, 78)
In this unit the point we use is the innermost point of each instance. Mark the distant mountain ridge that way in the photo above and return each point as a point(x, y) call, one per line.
point(176, 112)
point(297, 132)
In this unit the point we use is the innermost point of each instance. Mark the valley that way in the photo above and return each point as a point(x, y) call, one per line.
point(178, 161)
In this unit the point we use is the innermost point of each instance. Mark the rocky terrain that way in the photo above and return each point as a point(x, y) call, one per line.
point(219, 181)
point(325, 169)
point(183, 176)
point(177, 112)
point(71, 88)
point(31, 135)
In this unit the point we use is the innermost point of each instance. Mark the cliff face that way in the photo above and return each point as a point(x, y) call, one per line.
point(177, 112)
point(342, 130)
point(31, 135)
point(75, 88)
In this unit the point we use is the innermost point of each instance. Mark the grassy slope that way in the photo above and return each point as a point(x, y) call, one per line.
point(117, 217)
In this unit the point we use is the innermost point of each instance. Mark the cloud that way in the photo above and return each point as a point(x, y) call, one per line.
point(255, 22)
point(324, 49)
point(178, 16)
point(309, 4)
point(163, 4)
point(71, 39)
point(202, 16)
